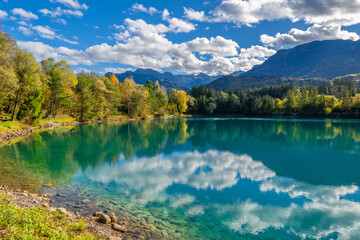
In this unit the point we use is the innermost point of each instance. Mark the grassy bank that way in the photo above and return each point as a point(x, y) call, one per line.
point(38, 223)
point(7, 127)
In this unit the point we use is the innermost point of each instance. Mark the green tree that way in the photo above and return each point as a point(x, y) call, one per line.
point(84, 97)
point(30, 78)
point(8, 80)
point(156, 98)
point(291, 102)
point(62, 82)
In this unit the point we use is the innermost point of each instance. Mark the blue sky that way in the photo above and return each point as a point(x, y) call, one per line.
point(184, 36)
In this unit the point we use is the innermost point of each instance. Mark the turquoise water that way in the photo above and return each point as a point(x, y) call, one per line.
point(202, 178)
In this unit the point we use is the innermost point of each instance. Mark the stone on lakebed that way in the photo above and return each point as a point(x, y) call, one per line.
point(119, 228)
point(103, 218)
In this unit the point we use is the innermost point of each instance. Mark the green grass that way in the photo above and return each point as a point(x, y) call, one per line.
point(13, 126)
point(60, 119)
point(37, 223)
point(10, 126)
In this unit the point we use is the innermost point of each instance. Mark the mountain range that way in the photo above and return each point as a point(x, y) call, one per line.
point(323, 59)
point(166, 79)
point(312, 63)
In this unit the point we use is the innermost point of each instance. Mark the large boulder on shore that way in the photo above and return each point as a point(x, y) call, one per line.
point(103, 218)
point(113, 217)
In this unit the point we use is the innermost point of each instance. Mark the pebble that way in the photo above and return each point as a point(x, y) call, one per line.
point(52, 209)
point(114, 238)
point(123, 223)
point(45, 205)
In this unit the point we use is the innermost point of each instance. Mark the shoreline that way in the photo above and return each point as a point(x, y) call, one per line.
point(28, 130)
point(104, 226)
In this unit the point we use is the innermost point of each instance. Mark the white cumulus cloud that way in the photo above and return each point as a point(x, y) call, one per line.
point(60, 12)
point(3, 14)
point(317, 32)
point(24, 14)
point(72, 4)
point(141, 8)
point(313, 12)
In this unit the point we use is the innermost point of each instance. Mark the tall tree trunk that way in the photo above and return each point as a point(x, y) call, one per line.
point(51, 107)
point(15, 108)
point(128, 107)
point(82, 109)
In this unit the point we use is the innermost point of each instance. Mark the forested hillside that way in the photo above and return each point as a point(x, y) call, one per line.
point(340, 98)
point(242, 82)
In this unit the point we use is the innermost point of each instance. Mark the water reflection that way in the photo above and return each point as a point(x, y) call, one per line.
point(322, 212)
point(149, 177)
point(261, 177)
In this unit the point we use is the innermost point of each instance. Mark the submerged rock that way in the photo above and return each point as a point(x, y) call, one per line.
point(114, 238)
point(123, 223)
point(119, 228)
point(103, 218)
point(113, 217)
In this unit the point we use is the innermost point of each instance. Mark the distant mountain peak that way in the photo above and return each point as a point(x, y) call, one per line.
point(167, 79)
point(237, 73)
point(202, 75)
point(323, 59)
point(146, 71)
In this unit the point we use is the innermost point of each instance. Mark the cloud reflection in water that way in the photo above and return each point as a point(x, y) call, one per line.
point(147, 178)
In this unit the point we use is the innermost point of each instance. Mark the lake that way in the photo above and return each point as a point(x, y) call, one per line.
point(201, 178)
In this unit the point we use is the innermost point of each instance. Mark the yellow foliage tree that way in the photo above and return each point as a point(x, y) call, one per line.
point(178, 100)
point(114, 80)
point(127, 90)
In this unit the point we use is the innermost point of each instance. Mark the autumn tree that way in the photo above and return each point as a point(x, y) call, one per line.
point(114, 80)
point(127, 90)
point(140, 103)
point(113, 97)
point(101, 106)
point(178, 101)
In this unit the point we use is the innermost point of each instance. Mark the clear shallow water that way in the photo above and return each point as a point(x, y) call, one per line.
point(202, 178)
